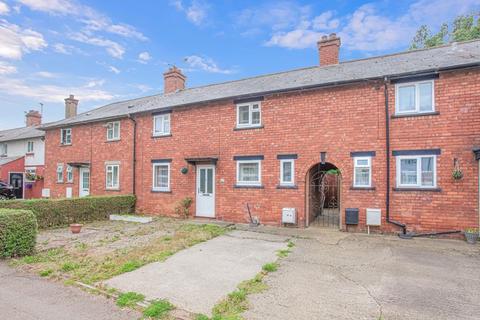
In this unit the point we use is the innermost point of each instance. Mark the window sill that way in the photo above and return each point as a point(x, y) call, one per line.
point(30, 154)
point(242, 186)
point(407, 115)
point(160, 191)
point(362, 188)
point(113, 189)
point(112, 140)
point(247, 128)
point(60, 182)
point(284, 186)
point(161, 135)
point(65, 144)
point(417, 189)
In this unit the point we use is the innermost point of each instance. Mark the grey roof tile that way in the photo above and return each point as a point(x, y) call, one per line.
point(21, 133)
point(427, 60)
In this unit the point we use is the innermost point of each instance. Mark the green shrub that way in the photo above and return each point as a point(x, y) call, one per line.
point(62, 212)
point(18, 232)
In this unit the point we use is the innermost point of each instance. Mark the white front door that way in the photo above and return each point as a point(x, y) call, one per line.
point(205, 191)
point(84, 177)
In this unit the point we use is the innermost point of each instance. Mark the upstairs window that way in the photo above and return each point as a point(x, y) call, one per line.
point(112, 173)
point(113, 131)
point(30, 147)
point(414, 97)
point(362, 173)
point(249, 115)
point(416, 171)
point(287, 172)
point(249, 173)
point(161, 177)
point(161, 124)
point(60, 173)
point(66, 136)
point(3, 150)
point(69, 174)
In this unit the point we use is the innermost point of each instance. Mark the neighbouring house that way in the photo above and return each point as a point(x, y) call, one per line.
point(22, 157)
point(389, 142)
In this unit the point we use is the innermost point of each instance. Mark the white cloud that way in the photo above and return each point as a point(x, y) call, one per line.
point(4, 9)
point(62, 48)
point(14, 41)
point(113, 69)
point(204, 64)
point(113, 48)
point(144, 57)
point(46, 74)
point(196, 12)
point(325, 21)
point(95, 83)
point(296, 39)
point(143, 88)
point(6, 68)
point(93, 20)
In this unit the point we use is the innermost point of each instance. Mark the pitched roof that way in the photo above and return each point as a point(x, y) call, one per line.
point(21, 133)
point(411, 62)
point(6, 160)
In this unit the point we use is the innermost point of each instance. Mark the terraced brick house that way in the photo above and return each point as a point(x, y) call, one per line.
point(22, 157)
point(388, 142)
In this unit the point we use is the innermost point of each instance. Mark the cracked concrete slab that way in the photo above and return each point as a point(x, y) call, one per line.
point(195, 279)
point(354, 276)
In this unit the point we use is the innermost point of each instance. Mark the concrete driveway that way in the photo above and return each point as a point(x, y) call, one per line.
point(354, 276)
point(28, 297)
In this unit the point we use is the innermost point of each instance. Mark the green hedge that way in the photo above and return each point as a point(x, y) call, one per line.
point(18, 232)
point(62, 212)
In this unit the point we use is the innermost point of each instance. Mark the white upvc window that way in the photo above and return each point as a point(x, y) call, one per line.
point(66, 136)
point(112, 176)
point(161, 124)
point(3, 149)
point(113, 131)
point(249, 114)
point(161, 176)
point(417, 171)
point(69, 174)
point(362, 172)
point(249, 172)
point(287, 172)
point(30, 146)
point(60, 172)
point(414, 97)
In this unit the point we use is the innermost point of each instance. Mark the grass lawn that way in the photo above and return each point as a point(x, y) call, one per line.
point(104, 250)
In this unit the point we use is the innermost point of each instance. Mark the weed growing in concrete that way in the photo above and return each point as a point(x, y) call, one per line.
point(270, 267)
point(129, 299)
point(158, 309)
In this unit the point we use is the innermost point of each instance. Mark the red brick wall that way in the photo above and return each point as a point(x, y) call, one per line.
point(13, 166)
point(36, 186)
point(89, 144)
point(335, 120)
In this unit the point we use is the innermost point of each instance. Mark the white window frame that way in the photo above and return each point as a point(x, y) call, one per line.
point(30, 143)
point(69, 171)
point(64, 134)
point(369, 166)
point(161, 164)
point(164, 116)
point(417, 97)
point(418, 185)
point(59, 173)
point(283, 182)
point(3, 149)
point(111, 128)
point(115, 184)
point(250, 111)
point(249, 183)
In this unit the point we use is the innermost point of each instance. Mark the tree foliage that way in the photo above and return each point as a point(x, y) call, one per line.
point(463, 28)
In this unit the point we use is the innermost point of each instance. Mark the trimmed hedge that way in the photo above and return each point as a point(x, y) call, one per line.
point(62, 212)
point(18, 232)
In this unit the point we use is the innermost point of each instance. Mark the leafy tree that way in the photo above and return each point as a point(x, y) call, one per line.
point(463, 28)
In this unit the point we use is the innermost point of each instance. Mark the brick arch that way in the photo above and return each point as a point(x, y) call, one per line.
point(314, 160)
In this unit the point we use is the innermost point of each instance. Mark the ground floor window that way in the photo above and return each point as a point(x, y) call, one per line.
point(416, 171)
point(69, 174)
point(362, 176)
point(161, 177)
point(112, 176)
point(249, 172)
point(59, 173)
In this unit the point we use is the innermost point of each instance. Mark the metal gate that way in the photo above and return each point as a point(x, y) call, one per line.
point(324, 198)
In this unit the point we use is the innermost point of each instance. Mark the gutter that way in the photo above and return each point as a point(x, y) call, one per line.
point(134, 153)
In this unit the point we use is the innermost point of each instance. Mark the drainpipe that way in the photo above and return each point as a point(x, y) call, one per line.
point(387, 147)
point(134, 153)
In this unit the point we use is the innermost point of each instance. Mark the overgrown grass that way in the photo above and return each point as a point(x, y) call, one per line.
point(78, 265)
point(270, 267)
point(158, 309)
point(129, 299)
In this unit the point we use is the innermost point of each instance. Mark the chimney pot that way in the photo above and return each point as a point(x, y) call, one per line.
point(328, 49)
point(71, 105)
point(33, 118)
point(174, 80)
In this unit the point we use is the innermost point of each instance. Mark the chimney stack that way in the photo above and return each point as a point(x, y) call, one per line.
point(71, 105)
point(173, 80)
point(33, 118)
point(328, 48)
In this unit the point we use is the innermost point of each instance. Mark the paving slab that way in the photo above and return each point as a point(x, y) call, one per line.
point(27, 297)
point(195, 279)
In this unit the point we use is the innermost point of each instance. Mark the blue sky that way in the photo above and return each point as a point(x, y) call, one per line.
point(104, 51)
